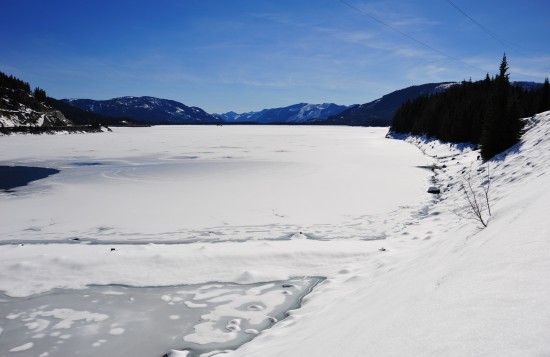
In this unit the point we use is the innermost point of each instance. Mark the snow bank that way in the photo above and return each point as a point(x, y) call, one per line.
point(31, 269)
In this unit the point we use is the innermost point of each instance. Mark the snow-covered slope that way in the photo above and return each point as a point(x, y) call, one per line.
point(233, 117)
point(150, 110)
point(19, 108)
point(297, 113)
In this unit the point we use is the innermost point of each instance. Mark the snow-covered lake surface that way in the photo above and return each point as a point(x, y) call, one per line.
point(194, 183)
point(169, 206)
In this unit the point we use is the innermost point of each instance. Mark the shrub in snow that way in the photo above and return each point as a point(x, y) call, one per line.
point(477, 195)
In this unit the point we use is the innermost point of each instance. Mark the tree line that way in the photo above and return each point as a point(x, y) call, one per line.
point(486, 112)
point(14, 83)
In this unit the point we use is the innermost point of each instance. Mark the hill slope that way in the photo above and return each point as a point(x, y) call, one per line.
point(380, 112)
point(297, 113)
point(82, 117)
point(149, 110)
point(20, 108)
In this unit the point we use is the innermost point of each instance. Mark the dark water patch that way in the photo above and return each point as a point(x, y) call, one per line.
point(86, 163)
point(183, 157)
point(17, 176)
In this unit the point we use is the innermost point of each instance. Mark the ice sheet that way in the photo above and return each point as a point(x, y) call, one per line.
point(146, 321)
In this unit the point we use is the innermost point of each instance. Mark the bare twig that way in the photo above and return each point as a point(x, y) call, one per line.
point(479, 203)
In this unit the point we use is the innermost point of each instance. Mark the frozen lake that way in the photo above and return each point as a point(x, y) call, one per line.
point(195, 183)
point(173, 206)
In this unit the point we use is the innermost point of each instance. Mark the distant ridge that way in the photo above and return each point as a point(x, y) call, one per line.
point(300, 113)
point(149, 110)
point(380, 112)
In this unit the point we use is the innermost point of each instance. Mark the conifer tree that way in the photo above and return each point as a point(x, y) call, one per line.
point(503, 125)
point(544, 98)
point(503, 68)
point(40, 94)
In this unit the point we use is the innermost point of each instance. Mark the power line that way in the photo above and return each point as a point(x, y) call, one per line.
point(410, 37)
point(487, 31)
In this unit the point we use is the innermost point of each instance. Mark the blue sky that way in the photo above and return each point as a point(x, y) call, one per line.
point(246, 55)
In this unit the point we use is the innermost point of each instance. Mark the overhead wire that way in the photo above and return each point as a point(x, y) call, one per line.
point(410, 37)
point(487, 31)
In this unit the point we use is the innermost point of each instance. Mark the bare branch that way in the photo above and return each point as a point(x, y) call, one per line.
point(478, 198)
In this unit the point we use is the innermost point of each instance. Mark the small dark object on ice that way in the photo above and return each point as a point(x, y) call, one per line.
point(434, 190)
point(288, 286)
point(382, 249)
point(112, 249)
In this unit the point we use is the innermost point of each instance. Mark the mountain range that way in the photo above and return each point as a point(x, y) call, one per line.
point(380, 112)
point(376, 113)
point(149, 110)
point(20, 108)
point(154, 111)
point(297, 113)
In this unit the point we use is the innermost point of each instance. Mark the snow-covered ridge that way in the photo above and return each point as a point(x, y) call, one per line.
point(297, 113)
point(19, 108)
point(146, 109)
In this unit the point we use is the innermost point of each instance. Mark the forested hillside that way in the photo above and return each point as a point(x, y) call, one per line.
point(26, 110)
point(22, 107)
point(485, 112)
point(380, 112)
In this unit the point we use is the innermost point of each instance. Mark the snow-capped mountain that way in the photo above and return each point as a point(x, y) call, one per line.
point(297, 113)
point(150, 110)
point(232, 117)
point(20, 108)
point(380, 112)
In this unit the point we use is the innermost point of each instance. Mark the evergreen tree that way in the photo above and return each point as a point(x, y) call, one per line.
point(40, 94)
point(544, 98)
point(503, 69)
point(503, 126)
point(14, 83)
